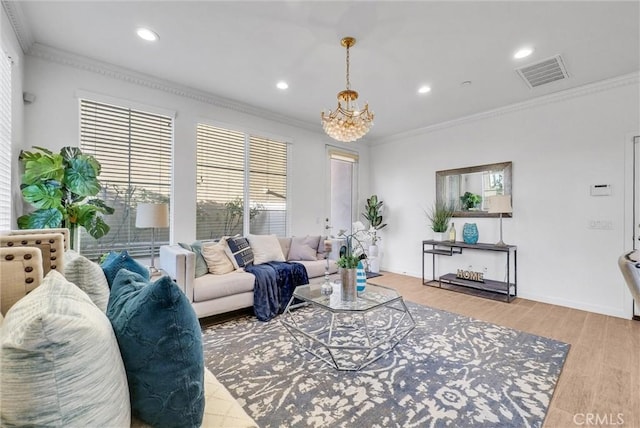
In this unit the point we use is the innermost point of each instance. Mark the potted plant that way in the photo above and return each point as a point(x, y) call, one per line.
point(470, 201)
point(58, 185)
point(350, 254)
point(439, 215)
point(373, 213)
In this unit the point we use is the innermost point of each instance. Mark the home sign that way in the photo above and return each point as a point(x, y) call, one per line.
point(470, 275)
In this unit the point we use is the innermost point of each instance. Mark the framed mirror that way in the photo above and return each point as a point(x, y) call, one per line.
point(467, 189)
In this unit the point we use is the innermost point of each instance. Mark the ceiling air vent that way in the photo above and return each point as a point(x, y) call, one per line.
point(543, 72)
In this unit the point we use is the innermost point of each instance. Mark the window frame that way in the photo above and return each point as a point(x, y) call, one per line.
point(124, 104)
point(248, 133)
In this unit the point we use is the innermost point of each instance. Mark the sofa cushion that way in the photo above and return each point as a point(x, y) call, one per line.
point(161, 344)
point(61, 364)
point(215, 286)
point(316, 268)
point(266, 248)
point(240, 250)
point(201, 264)
point(216, 257)
point(113, 265)
point(304, 248)
point(89, 276)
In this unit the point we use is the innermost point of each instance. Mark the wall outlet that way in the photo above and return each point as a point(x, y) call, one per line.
point(601, 224)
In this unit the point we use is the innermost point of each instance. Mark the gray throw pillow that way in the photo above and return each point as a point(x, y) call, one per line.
point(201, 264)
point(304, 248)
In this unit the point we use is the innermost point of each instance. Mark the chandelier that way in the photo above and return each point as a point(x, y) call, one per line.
point(347, 123)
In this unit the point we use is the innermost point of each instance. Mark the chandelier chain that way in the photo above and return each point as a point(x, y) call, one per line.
point(348, 81)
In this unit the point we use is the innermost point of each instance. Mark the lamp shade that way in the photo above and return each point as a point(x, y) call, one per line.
point(499, 204)
point(152, 215)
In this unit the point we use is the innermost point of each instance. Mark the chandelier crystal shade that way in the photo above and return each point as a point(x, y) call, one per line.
point(347, 122)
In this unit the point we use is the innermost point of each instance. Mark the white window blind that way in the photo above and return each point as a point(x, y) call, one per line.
point(268, 185)
point(5, 142)
point(228, 162)
point(220, 182)
point(134, 151)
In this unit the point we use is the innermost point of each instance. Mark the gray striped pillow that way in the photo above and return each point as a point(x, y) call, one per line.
point(60, 361)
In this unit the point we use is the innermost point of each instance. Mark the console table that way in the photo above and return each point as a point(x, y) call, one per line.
point(496, 290)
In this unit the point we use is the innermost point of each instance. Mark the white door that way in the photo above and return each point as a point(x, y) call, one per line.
point(636, 203)
point(343, 176)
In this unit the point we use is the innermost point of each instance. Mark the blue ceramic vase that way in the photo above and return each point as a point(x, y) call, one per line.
point(361, 278)
point(470, 233)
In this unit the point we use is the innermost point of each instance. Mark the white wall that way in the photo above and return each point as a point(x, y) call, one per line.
point(10, 45)
point(559, 147)
point(53, 122)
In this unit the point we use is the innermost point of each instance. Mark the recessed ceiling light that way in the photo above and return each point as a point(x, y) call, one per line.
point(146, 34)
point(424, 89)
point(523, 53)
point(282, 85)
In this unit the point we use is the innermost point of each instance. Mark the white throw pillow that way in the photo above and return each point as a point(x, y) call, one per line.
point(89, 277)
point(266, 248)
point(216, 257)
point(60, 361)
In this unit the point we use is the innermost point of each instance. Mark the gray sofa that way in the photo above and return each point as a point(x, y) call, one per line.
point(216, 294)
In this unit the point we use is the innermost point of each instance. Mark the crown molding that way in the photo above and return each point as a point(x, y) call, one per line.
point(80, 62)
point(99, 67)
point(591, 88)
point(23, 33)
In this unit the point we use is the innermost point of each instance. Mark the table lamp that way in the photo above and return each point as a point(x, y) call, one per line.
point(500, 204)
point(153, 216)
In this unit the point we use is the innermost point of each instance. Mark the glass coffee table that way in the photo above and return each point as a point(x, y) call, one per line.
point(347, 335)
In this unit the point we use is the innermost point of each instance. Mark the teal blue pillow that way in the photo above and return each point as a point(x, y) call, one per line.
point(161, 345)
point(112, 265)
point(109, 257)
point(201, 264)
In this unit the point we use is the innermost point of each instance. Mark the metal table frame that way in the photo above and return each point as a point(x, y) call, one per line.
point(349, 341)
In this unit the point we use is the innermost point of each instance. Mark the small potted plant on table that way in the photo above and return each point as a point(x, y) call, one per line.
point(439, 215)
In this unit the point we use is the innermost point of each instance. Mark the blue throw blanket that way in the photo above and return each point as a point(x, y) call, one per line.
point(274, 286)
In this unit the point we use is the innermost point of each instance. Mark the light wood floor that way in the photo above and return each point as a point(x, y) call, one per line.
point(601, 377)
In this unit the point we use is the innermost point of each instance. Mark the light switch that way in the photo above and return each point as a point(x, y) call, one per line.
point(601, 190)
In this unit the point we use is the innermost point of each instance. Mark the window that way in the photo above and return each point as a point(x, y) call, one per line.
point(134, 151)
point(5, 142)
point(268, 186)
point(343, 166)
point(233, 167)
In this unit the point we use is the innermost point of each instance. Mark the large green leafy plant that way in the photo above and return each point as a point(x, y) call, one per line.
point(373, 213)
point(59, 186)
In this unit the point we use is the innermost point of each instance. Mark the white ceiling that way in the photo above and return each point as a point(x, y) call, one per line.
point(239, 50)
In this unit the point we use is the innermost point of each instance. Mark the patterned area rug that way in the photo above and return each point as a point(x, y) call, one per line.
point(449, 371)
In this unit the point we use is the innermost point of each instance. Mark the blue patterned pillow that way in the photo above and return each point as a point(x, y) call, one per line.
point(161, 345)
point(241, 250)
point(201, 263)
point(123, 261)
